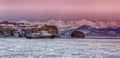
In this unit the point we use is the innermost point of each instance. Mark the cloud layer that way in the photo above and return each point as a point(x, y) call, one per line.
point(60, 6)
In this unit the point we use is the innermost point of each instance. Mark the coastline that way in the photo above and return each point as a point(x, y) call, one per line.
point(89, 37)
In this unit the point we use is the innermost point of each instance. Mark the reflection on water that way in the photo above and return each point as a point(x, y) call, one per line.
point(59, 48)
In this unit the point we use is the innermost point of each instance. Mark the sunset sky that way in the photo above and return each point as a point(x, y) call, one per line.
point(94, 9)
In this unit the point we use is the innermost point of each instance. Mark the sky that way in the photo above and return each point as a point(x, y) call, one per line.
point(90, 9)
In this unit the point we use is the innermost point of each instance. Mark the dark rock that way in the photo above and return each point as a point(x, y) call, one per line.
point(77, 34)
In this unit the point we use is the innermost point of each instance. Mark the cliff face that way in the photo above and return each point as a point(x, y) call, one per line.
point(8, 31)
point(51, 29)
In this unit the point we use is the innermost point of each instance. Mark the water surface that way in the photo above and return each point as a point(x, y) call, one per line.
point(59, 48)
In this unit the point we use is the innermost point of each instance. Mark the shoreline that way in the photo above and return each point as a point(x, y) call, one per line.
point(62, 38)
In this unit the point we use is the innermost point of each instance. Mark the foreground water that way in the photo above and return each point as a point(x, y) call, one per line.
point(59, 48)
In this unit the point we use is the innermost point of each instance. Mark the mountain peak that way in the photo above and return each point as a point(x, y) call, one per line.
point(85, 22)
point(85, 27)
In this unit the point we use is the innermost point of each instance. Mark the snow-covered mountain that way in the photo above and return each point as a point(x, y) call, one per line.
point(84, 22)
point(76, 23)
point(90, 31)
point(72, 24)
point(89, 27)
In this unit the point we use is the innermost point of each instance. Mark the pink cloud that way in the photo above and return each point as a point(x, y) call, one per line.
point(60, 6)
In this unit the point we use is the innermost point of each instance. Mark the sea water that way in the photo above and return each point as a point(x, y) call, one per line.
point(59, 48)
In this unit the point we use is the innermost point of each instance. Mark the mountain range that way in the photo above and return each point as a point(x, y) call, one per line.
point(89, 27)
point(90, 31)
point(76, 23)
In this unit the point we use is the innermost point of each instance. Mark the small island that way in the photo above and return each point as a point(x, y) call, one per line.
point(77, 34)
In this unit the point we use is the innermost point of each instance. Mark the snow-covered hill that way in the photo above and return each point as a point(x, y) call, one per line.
point(90, 31)
point(76, 23)
point(72, 24)
point(89, 27)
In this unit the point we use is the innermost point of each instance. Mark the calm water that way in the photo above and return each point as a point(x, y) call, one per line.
point(59, 48)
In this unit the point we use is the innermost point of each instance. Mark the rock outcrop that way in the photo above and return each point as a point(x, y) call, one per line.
point(51, 29)
point(77, 34)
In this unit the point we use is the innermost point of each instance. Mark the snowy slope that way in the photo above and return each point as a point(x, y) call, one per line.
point(72, 24)
point(90, 31)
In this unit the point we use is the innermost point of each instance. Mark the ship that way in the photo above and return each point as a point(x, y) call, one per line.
point(43, 34)
point(46, 31)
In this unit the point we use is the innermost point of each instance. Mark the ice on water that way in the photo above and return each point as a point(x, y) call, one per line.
point(59, 48)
